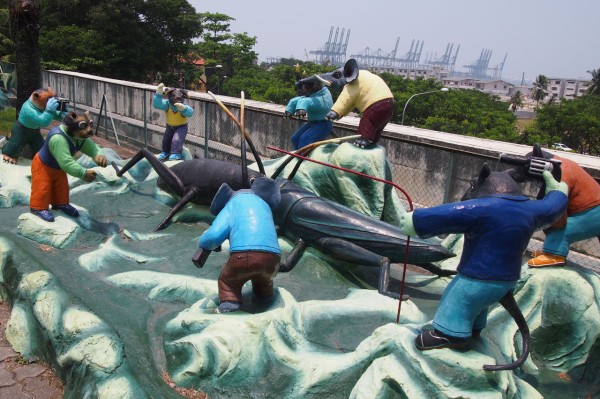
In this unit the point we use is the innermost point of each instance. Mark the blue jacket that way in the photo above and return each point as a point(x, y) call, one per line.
point(496, 230)
point(247, 221)
point(317, 105)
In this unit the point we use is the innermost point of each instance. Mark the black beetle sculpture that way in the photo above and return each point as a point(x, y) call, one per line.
point(302, 216)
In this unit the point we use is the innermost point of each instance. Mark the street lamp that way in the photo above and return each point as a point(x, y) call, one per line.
point(218, 66)
point(443, 89)
point(219, 84)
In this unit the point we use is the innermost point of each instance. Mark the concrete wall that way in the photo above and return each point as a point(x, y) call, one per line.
point(434, 167)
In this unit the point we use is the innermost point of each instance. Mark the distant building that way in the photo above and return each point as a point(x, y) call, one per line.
point(499, 87)
point(567, 88)
point(425, 72)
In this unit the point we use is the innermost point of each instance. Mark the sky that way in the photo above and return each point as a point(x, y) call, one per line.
point(555, 38)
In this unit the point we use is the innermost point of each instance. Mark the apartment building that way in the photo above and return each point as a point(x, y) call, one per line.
point(567, 88)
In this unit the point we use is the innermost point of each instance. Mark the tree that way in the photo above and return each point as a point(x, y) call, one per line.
point(24, 22)
point(573, 122)
point(218, 46)
point(7, 46)
point(594, 88)
point(130, 40)
point(468, 112)
point(540, 89)
point(516, 100)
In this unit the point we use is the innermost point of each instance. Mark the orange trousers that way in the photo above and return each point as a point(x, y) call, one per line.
point(49, 186)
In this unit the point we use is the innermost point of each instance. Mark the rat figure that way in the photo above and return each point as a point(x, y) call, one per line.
point(50, 166)
point(497, 221)
point(245, 218)
point(366, 92)
point(38, 111)
point(313, 102)
point(171, 101)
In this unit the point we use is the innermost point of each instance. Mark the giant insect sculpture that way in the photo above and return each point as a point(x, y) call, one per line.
point(302, 216)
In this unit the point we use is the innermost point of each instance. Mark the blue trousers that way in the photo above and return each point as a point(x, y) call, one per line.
point(579, 227)
point(174, 138)
point(311, 132)
point(465, 304)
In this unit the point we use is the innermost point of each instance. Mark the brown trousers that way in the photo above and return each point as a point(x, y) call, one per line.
point(256, 266)
point(374, 119)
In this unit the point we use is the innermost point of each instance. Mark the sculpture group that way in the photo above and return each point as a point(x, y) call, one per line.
point(252, 208)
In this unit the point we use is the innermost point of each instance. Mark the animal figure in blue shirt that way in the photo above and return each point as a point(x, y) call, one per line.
point(245, 218)
point(497, 221)
point(37, 112)
point(171, 101)
point(313, 102)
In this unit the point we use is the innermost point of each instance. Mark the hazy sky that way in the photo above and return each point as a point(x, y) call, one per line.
point(556, 38)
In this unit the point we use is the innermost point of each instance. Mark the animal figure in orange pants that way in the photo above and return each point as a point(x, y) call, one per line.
point(50, 166)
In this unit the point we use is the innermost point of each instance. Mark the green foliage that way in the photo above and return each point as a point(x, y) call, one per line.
point(7, 118)
point(540, 89)
point(84, 51)
point(130, 40)
point(517, 99)
point(594, 88)
point(573, 122)
point(7, 46)
point(467, 112)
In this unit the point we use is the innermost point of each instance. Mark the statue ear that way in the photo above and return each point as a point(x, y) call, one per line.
point(484, 173)
point(516, 174)
point(537, 151)
point(351, 70)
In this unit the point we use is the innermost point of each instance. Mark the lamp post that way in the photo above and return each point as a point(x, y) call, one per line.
point(443, 89)
point(218, 66)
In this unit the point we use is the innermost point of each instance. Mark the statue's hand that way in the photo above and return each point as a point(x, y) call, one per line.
point(52, 105)
point(300, 113)
point(407, 225)
point(90, 175)
point(179, 106)
point(332, 116)
point(552, 184)
point(160, 89)
point(100, 160)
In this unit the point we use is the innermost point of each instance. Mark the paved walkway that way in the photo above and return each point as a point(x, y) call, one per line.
point(20, 379)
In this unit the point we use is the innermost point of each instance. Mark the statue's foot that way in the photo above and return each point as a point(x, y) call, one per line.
point(545, 260)
point(434, 339)
point(43, 214)
point(363, 143)
point(163, 156)
point(9, 160)
point(228, 306)
point(68, 209)
point(263, 299)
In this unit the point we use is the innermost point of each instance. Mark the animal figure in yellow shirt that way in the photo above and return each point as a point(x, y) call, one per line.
point(366, 92)
point(171, 101)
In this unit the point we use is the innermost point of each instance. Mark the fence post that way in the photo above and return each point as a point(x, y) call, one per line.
point(145, 121)
point(207, 104)
point(449, 177)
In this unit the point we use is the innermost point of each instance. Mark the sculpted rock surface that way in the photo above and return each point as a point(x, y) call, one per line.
point(113, 304)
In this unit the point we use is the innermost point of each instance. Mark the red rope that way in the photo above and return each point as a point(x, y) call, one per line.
point(372, 178)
